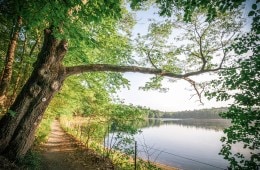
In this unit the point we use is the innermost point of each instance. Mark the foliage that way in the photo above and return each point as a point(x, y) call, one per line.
point(30, 161)
point(27, 47)
point(4, 33)
point(123, 122)
point(57, 13)
point(241, 83)
point(44, 130)
point(212, 7)
point(92, 29)
point(123, 118)
point(120, 119)
point(244, 113)
point(195, 114)
point(88, 94)
point(181, 47)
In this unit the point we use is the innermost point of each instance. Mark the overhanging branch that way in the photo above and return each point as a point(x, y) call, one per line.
point(123, 69)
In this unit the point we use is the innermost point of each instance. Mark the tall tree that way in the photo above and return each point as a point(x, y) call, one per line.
point(16, 53)
point(78, 23)
point(7, 72)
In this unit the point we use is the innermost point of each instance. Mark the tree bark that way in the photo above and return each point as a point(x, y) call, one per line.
point(17, 131)
point(8, 69)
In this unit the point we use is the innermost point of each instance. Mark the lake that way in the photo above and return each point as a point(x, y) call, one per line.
point(186, 144)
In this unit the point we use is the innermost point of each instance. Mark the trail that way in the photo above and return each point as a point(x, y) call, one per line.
point(62, 152)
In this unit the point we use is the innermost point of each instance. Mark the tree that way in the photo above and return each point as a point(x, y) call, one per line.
point(17, 50)
point(7, 72)
point(77, 23)
point(123, 125)
point(241, 83)
point(41, 83)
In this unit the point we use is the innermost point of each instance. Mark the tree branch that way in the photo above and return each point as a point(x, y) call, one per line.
point(202, 57)
point(34, 46)
point(116, 68)
point(224, 52)
point(149, 57)
point(193, 83)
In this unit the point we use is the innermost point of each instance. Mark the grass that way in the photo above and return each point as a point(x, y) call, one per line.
point(120, 160)
point(43, 131)
point(31, 160)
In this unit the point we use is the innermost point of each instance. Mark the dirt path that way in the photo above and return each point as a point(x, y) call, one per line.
point(62, 152)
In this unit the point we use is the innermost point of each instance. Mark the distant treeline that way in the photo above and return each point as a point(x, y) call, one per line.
point(212, 113)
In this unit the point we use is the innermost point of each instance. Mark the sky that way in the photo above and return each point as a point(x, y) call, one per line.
point(178, 97)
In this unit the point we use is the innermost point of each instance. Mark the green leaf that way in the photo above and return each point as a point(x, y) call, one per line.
point(251, 13)
point(12, 113)
point(254, 6)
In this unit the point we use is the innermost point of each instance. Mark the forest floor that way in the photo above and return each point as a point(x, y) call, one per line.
point(62, 152)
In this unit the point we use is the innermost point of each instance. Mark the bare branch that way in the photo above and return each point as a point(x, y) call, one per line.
point(223, 48)
point(193, 83)
point(149, 57)
point(34, 45)
point(204, 61)
point(223, 44)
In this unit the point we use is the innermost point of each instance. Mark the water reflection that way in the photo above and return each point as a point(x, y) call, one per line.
point(195, 139)
point(216, 124)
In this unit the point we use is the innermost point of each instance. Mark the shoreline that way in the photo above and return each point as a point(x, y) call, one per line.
point(165, 167)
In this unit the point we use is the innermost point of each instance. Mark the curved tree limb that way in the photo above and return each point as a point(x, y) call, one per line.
point(115, 68)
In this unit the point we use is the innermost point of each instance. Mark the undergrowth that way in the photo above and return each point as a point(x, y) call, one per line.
point(31, 160)
point(120, 160)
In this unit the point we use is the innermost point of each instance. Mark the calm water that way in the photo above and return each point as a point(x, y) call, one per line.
point(186, 144)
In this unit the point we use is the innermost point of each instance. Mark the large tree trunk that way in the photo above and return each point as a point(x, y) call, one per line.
point(18, 126)
point(8, 69)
